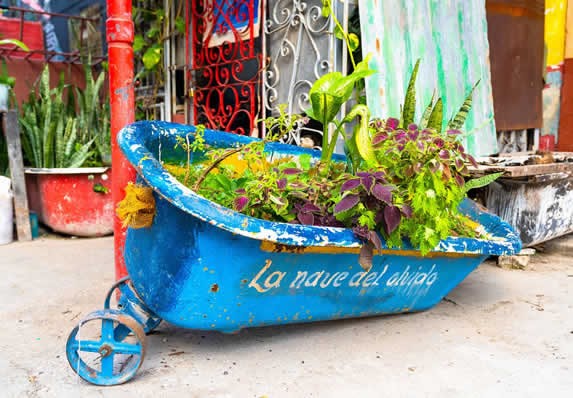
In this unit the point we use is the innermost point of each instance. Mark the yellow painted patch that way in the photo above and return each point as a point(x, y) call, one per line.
point(274, 248)
point(555, 17)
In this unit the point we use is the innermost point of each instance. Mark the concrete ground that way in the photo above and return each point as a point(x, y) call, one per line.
point(500, 333)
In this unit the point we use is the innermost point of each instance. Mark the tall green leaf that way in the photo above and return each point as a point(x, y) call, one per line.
point(481, 181)
point(81, 155)
point(435, 120)
point(459, 118)
point(70, 139)
point(361, 134)
point(427, 112)
point(409, 108)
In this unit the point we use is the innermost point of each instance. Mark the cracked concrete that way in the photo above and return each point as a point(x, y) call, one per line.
point(499, 333)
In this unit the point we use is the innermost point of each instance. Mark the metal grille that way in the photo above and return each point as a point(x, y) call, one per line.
point(226, 64)
point(299, 52)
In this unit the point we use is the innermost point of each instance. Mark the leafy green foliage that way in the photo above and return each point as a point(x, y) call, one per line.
point(327, 96)
point(427, 113)
point(436, 116)
point(428, 169)
point(401, 181)
point(280, 125)
point(351, 39)
point(155, 22)
point(93, 116)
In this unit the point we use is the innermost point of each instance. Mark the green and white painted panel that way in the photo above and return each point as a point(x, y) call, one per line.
point(450, 38)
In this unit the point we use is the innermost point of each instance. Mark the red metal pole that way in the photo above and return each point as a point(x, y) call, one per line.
point(119, 28)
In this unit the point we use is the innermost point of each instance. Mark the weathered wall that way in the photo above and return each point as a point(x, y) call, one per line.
point(450, 37)
point(27, 73)
point(515, 33)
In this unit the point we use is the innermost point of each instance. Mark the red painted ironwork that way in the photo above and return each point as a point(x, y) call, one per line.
point(226, 64)
point(119, 28)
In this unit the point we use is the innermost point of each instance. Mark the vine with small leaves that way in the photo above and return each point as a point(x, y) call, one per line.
point(351, 39)
point(153, 28)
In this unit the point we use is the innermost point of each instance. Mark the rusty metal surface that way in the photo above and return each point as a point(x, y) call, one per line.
point(516, 32)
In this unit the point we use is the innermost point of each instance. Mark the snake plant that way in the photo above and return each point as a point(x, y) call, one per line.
point(64, 132)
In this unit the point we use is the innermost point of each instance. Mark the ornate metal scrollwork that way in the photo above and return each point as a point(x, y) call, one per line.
point(299, 48)
point(226, 63)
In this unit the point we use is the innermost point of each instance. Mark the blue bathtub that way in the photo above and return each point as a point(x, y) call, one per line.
point(203, 266)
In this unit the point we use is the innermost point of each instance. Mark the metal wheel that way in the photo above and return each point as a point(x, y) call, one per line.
point(115, 286)
point(106, 348)
point(126, 304)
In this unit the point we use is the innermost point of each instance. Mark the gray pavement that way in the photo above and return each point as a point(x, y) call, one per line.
point(499, 333)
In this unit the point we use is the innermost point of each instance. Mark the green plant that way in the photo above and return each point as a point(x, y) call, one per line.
point(350, 39)
point(152, 28)
point(428, 170)
point(50, 134)
point(402, 181)
point(93, 116)
point(327, 96)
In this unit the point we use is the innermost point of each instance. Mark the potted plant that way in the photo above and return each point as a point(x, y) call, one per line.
point(6, 81)
point(66, 141)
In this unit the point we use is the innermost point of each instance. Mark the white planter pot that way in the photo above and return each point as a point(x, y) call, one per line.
point(4, 94)
point(6, 212)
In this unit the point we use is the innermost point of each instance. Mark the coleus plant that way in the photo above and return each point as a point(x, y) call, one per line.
point(429, 171)
point(368, 206)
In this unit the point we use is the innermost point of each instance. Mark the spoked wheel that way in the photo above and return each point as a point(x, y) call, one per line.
point(131, 299)
point(106, 348)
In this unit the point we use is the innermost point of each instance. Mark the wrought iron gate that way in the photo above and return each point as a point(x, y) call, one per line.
point(249, 57)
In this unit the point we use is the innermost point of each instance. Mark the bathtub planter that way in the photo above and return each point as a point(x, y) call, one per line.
point(207, 267)
point(72, 201)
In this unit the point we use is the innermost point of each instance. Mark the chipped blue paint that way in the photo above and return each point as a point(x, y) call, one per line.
point(202, 266)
